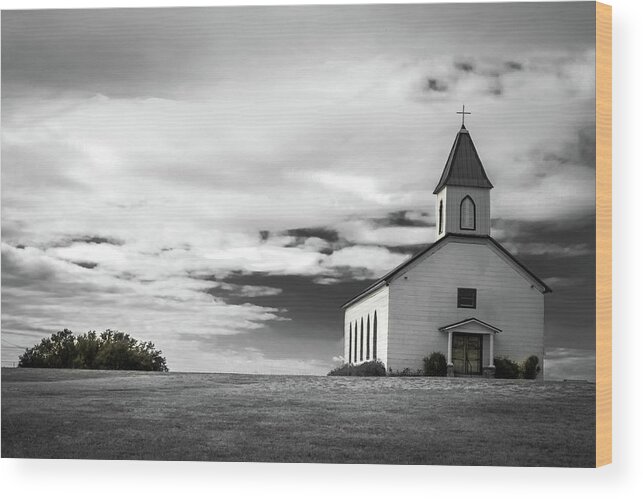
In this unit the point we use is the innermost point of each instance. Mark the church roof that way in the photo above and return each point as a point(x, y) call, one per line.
point(432, 248)
point(463, 167)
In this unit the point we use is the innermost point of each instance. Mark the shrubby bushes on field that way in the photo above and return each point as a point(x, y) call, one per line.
point(406, 372)
point(371, 368)
point(109, 350)
point(508, 369)
point(435, 365)
point(531, 367)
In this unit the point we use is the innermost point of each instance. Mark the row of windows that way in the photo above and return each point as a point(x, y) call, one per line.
point(467, 215)
point(362, 339)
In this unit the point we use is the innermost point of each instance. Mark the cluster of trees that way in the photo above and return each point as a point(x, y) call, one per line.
point(107, 350)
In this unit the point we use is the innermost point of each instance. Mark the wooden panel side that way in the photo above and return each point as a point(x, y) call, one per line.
point(363, 310)
point(424, 298)
point(603, 234)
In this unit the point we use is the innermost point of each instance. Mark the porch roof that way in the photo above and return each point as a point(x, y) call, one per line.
point(465, 322)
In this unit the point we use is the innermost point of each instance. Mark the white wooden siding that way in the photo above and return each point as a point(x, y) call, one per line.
point(423, 298)
point(377, 301)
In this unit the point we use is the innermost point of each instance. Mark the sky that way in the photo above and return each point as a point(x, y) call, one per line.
point(220, 180)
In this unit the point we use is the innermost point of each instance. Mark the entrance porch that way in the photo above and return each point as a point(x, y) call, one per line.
point(470, 348)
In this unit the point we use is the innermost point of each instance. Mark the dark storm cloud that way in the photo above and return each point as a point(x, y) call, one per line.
point(435, 85)
point(513, 66)
point(466, 67)
point(404, 218)
point(571, 364)
point(309, 329)
point(563, 254)
point(408, 249)
point(495, 87)
point(85, 239)
point(86, 265)
point(106, 51)
point(587, 146)
point(324, 233)
point(581, 150)
point(564, 232)
point(97, 240)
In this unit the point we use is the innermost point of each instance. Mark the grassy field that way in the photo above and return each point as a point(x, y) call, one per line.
point(233, 417)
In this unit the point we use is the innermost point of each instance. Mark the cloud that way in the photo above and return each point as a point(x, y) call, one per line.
point(365, 232)
point(560, 282)
point(514, 66)
point(246, 290)
point(86, 265)
point(324, 233)
point(551, 249)
point(373, 259)
point(405, 218)
point(466, 67)
point(44, 293)
point(435, 85)
point(96, 240)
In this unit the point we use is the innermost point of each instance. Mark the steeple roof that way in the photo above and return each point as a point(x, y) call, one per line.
point(463, 167)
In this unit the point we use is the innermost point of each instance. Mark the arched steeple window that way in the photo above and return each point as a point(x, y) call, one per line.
point(467, 214)
point(441, 218)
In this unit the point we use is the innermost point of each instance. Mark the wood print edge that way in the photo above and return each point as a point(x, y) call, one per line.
point(603, 234)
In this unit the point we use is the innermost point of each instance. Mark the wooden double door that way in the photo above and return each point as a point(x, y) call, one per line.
point(467, 354)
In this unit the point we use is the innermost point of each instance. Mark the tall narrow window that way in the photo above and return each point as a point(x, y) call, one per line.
point(355, 343)
point(441, 218)
point(467, 214)
point(375, 335)
point(368, 337)
point(361, 341)
point(350, 343)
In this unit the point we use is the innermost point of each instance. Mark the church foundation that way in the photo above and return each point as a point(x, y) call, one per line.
point(450, 371)
point(489, 371)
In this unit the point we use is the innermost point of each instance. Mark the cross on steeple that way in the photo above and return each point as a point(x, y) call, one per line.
point(462, 113)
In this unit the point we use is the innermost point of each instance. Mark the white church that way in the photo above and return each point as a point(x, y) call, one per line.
point(463, 295)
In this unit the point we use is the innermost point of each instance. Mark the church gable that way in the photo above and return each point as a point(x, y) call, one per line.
point(487, 241)
point(407, 266)
point(474, 261)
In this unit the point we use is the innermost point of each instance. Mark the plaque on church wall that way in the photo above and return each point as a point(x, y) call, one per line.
point(373, 234)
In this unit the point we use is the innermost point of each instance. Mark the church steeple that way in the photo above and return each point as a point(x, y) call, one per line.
point(463, 191)
point(463, 167)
